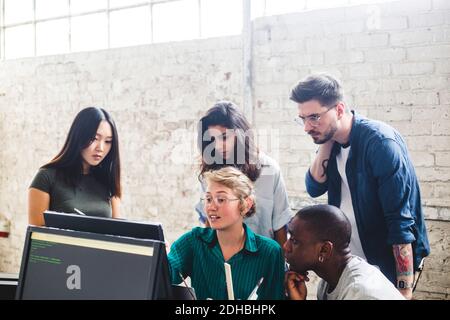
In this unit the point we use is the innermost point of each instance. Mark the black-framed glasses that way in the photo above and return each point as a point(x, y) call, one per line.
point(313, 120)
point(218, 201)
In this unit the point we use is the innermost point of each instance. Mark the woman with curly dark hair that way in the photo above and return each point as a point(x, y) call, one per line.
point(226, 139)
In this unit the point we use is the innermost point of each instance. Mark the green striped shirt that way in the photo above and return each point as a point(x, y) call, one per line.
point(197, 254)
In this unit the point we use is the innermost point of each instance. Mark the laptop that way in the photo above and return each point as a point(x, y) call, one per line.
point(182, 292)
point(8, 285)
point(116, 227)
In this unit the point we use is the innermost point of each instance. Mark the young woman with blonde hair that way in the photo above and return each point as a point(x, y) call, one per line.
point(201, 253)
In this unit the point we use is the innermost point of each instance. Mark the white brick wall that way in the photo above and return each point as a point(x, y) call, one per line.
point(395, 69)
point(402, 77)
point(429, 52)
point(153, 93)
point(443, 159)
point(364, 40)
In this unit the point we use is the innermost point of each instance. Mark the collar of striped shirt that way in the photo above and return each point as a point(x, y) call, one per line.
point(209, 236)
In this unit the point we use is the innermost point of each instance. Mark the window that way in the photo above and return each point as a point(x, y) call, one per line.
point(52, 37)
point(22, 48)
point(124, 3)
point(220, 17)
point(82, 6)
point(18, 11)
point(89, 32)
point(51, 8)
point(41, 27)
point(130, 27)
point(175, 20)
point(273, 7)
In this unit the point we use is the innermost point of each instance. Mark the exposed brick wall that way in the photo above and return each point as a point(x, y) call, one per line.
point(394, 63)
point(156, 94)
point(393, 59)
point(435, 281)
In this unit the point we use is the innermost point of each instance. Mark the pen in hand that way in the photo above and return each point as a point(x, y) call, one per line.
point(79, 211)
point(253, 295)
point(187, 287)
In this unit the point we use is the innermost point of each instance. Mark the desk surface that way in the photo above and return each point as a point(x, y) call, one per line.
point(8, 285)
point(9, 276)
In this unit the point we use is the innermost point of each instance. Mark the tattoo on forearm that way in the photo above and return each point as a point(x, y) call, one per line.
point(324, 167)
point(403, 259)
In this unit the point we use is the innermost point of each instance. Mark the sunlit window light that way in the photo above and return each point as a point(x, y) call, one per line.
point(42, 27)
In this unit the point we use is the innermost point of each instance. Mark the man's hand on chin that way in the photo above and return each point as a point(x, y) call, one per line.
point(296, 286)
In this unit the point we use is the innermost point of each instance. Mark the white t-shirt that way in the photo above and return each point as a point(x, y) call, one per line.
point(272, 205)
point(347, 205)
point(360, 281)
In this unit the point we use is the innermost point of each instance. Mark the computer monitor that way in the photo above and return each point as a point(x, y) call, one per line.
point(65, 264)
point(117, 227)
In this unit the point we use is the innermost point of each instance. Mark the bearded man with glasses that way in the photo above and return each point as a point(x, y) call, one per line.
point(365, 167)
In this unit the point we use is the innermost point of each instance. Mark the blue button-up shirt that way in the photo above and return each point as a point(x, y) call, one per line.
point(385, 193)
